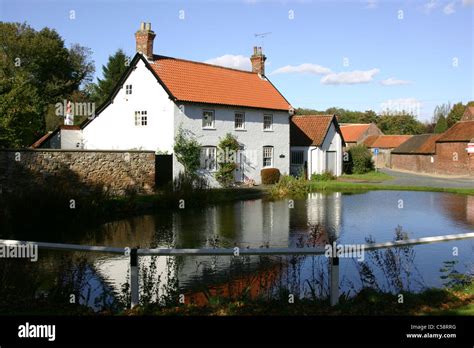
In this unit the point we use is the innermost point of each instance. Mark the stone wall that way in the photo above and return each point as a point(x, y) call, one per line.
point(413, 163)
point(116, 172)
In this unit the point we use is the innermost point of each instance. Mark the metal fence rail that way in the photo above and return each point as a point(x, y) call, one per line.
point(134, 253)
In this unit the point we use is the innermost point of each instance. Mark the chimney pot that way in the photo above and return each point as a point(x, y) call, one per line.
point(258, 61)
point(144, 40)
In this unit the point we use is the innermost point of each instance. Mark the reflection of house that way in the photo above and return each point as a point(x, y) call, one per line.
point(384, 145)
point(438, 153)
point(316, 145)
point(325, 210)
point(355, 133)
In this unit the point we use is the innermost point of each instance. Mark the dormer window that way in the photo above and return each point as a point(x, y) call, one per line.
point(128, 89)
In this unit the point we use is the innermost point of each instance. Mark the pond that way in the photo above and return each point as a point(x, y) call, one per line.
point(315, 220)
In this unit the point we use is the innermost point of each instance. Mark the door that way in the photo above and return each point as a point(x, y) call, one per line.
point(331, 162)
point(239, 170)
point(163, 169)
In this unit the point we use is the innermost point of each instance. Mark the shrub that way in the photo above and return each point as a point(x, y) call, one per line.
point(270, 176)
point(360, 160)
point(326, 176)
point(187, 151)
point(228, 147)
point(290, 186)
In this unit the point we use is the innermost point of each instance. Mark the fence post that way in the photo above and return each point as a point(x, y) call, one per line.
point(334, 287)
point(134, 296)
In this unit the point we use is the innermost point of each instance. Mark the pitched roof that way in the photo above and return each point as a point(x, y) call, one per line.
point(42, 140)
point(310, 130)
point(197, 82)
point(353, 132)
point(386, 141)
point(462, 131)
point(423, 144)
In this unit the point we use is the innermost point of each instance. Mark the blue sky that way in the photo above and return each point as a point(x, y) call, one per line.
point(353, 54)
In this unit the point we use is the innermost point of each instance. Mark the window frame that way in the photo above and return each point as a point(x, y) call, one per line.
point(141, 118)
point(264, 158)
point(270, 129)
point(128, 91)
point(213, 126)
point(292, 157)
point(235, 120)
point(206, 157)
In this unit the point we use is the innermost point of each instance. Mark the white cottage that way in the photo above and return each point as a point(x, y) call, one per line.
point(316, 145)
point(158, 94)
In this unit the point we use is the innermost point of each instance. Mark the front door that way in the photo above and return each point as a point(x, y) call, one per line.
point(239, 170)
point(331, 162)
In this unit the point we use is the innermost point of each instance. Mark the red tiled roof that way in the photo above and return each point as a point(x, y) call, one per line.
point(424, 144)
point(386, 141)
point(462, 131)
point(309, 130)
point(204, 83)
point(41, 140)
point(353, 132)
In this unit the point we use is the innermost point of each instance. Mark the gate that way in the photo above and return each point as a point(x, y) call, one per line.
point(163, 169)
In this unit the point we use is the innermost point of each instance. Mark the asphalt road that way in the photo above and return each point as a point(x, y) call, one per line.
point(412, 179)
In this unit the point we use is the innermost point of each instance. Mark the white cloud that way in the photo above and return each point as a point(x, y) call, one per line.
point(391, 81)
point(371, 4)
point(449, 8)
point(350, 77)
point(302, 68)
point(232, 61)
point(393, 106)
point(430, 5)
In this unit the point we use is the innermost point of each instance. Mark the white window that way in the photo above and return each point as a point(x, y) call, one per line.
point(208, 158)
point(297, 158)
point(208, 119)
point(267, 156)
point(267, 122)
point(141, 118)
point(128, 89)
point(239, 122)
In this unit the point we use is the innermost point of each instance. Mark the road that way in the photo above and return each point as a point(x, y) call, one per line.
point(415, 179)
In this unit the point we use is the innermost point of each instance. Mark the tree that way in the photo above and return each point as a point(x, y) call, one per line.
point(360, 160)
point(112, 72)
point(455, 114)
point(36, 70)
point(441, 110)
point(441, 125)
point(400, 124)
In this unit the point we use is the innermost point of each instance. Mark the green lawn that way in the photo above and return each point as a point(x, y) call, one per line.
point(371, 176)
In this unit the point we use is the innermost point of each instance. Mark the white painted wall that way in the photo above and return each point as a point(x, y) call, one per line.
point(70, 139)
point(253, 138)
point(114, 128)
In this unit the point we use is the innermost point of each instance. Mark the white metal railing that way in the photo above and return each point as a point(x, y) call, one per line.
point(134, 253)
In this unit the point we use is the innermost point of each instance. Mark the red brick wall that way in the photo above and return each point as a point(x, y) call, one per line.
point(446, 159)
point(414, 163)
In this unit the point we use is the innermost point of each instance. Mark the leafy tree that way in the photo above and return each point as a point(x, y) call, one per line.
point(228, 147)
point(187, 151)
point(400, 124)
point(36, 70)
point(441, 125)
point(112, 72)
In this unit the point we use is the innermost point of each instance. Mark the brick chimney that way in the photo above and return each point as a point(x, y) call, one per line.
point(258, 61)
point(144, 40)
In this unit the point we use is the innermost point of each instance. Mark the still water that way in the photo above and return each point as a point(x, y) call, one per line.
point(347, 218)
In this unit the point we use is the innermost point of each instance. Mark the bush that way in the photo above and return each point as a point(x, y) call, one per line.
point(228, 149)
point(326, 176)
point(360, 160)
point(270, 176)
point(290, 186)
